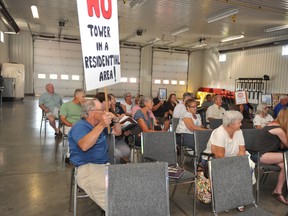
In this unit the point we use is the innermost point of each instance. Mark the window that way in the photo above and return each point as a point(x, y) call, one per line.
point(222, 57)
point(64, 77)
point(75, 77)
point(124, 79)
point(166, 82)
point(181, 82)
point(285, 50)
point(41, 76)
point(53, 76)
point(133, 80)
point(174, 82)
point(157, 81)
point(2, 36)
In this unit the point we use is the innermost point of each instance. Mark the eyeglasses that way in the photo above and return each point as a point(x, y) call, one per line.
point(101, 110)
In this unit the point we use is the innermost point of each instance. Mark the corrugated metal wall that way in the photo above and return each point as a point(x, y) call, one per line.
point(4, 53)
point(21, 51)
point(253, 63)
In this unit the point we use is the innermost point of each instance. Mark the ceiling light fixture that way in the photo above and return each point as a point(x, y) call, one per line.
point(35, 13)
point(137, 3)
point(277, 28)
point(222, 15)
point(235, 37)
point(180, 31)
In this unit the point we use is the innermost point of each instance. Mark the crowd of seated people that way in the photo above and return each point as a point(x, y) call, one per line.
point(87, 135)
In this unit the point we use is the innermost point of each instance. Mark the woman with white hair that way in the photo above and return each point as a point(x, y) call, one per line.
point(227, 140)
point(262, 117)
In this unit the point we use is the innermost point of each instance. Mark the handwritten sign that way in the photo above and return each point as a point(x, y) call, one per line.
point(98, 22)
point(240, 97)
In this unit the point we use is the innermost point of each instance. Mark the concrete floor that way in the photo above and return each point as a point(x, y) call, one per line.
point(34, 181)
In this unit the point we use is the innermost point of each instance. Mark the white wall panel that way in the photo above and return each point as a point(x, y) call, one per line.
point(130, 68)
point(21, 51)
point(252, 63)
point(169, 66)
point(58, 58)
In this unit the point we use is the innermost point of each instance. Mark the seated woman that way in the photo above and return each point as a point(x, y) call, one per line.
point(122, 150)
point(170, 105)
point(262, 118)
point(190, 120)
point(143, 116)
point(270, 145)
point(227, 140)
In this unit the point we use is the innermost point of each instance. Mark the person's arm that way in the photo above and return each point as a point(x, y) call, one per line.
point(143, 125)
point(157, 105)
point(242, 150)
point(219, 152)
point(45, 109)
point(64, 121)
point(190, 124)
point(117, 129)
point(89, 140)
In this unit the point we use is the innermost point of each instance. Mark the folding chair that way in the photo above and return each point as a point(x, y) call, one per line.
point(215, 123)
point(285, 155)
point(249, 137)
point(140, 189)
point(187, 147)
point(175, 122)
point(43, 119)
point(75, 191)
point(161, 146)
point(231, 186)
point(201, 140)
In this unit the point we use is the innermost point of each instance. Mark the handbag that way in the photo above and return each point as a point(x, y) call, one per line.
point(203, 189)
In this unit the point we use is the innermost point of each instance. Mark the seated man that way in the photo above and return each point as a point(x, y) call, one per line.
point(180, 108)
point(70, 111)
point(50, 102)
point(88, 148)
point(215, 111)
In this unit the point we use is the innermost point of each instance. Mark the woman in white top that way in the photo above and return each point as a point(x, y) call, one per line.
point(190, 120)
point(262, 118)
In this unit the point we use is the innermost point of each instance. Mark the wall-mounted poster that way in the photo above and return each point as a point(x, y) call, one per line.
point(241, 97)
point(162, 93)
point(266, 98)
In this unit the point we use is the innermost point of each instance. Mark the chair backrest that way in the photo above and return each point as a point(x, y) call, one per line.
point(138, 189)
point(159, 146)
point(188, 140)
point(231, 183)
point(249, 136)
point(110, 140)
point(175, 122)
point(215, 123)
point(285, 155)
point(201, 140)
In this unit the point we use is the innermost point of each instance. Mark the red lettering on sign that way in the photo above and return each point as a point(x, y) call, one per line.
point(94, 6)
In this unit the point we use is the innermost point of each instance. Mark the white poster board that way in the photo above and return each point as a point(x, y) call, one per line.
point(98, 22)
point(241, 97)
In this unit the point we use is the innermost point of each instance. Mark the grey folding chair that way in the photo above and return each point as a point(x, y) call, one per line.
point(231, 186)
point(43, 122)
point(285, 155)
point(187, 147)
point(140, 189)
point(175, 122)
point(201, 140)
point(249, 136)
point(161, 146)
point(215, 123)
point(110, 139)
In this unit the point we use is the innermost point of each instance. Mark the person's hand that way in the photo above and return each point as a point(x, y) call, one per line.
point(127, 133)
point(106, 119)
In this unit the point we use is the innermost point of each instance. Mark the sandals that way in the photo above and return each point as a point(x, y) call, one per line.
point(241, 208)
point(280, 198)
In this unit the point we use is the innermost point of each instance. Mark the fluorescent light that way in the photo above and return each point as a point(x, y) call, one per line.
point(222, 15)
point(137, 3)
point(179, 31)
point(277, 28)
point(236, 37)
point(34, 10)
point(6, 32)
point(1, 36)
point(154, 41)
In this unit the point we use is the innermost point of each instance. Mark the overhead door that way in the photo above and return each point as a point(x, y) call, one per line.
point(170, 71)
point(59, 63)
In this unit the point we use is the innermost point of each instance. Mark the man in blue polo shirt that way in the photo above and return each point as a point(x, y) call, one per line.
point(283, 102)
point(88, 148)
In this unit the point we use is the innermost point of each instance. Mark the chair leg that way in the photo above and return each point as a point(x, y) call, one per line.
point(75, 193)
point(174, 189)
point(71, 189)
